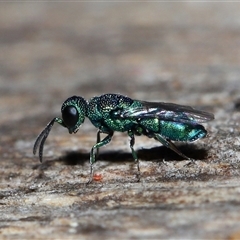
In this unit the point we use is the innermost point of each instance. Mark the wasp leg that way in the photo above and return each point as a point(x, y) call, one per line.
point(98, 140)
point(134, 154)
point(169, 144)
point(105, 141)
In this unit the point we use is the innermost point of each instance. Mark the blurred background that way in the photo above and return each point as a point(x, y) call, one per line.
point(180, 52)
point(185, 52)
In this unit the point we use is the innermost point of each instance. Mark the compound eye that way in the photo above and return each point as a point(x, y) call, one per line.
point(70, 116)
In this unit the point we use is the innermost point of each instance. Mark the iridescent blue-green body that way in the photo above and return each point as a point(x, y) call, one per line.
point(164, 122)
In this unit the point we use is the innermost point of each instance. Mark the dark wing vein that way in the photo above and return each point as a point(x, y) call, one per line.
point(167, 112)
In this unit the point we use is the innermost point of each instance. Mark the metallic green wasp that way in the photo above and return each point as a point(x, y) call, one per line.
point(165, 122)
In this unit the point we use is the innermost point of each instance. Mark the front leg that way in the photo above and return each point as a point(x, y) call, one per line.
point(99, 144)
point(134, 154)
point(98, 140)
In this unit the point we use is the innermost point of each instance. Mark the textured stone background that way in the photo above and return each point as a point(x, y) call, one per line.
point(186, 53)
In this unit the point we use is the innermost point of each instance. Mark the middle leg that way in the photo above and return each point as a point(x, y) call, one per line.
point(134, 154)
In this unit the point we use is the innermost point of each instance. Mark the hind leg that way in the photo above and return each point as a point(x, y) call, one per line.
point(169, 144)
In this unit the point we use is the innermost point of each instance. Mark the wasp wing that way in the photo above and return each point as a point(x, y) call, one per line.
point(167, 112)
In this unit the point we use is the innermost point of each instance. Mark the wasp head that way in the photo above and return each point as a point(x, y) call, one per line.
point(73, 113)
